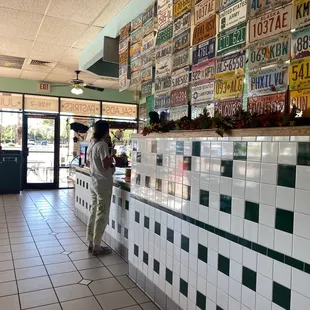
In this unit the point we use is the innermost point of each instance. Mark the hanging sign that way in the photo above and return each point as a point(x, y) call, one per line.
point(181, 24)
point(301, 13)
point(124, 32)
point(163, 66)
point(180, 78)
point(205, 30)
point(231, 87)
point(136, 36)
point(203, 93)
point(178, 112)
point(233, 15)
point(163, 84)
point(269, 103)
point(204, 71)
point(181, 41)
point(147, 59)
point(300, 73)
point(79, 107)
point(146, 89)
point(148, 13)
point(179, 97)
point(268, 80)
point(164, 34)
point(123, 45)
point(301, 99)
point(124, 58)
point(232, 64)
point(146, 74)
point(266, 52)
point(148, 43)
point(162, 102)
point(204, 9)
point(180, 7)
point(36, 103)
point(300, 44)
point(180, 59)
point(270, 24)
point(135, 49)
point(136, 23)
point(135, 78)
point(165, 14)
point(204, 51)
point(228, 107)
point(135, 63)
point(110, 109)
point(148, 27)
point(257, 7)
point(232, 39)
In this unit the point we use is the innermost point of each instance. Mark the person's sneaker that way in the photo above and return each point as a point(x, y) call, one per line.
point(90, 249)
point(101, 251)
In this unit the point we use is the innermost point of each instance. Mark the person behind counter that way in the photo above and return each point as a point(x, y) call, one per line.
point(100, 161)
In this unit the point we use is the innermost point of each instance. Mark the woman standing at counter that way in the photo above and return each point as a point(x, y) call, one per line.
point(100, 163)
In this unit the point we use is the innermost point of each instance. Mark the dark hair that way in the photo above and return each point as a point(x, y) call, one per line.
point(101, 128)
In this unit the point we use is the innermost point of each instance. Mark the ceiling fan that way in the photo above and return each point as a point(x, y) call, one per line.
point(78, 85)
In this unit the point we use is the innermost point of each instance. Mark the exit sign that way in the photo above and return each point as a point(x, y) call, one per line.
point(44, 88)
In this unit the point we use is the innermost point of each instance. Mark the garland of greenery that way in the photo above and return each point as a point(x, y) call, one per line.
point(224, 124)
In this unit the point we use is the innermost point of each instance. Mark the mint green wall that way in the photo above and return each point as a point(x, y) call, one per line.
point(30, 87)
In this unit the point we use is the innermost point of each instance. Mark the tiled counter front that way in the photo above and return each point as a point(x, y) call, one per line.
point(222, 223)
point(116, 234)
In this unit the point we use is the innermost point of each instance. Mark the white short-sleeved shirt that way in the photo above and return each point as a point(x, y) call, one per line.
point(101, 178)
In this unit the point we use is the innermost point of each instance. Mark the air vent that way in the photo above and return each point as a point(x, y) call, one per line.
point(40, 63)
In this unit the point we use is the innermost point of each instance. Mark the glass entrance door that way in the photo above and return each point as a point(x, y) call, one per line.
point(40, 145)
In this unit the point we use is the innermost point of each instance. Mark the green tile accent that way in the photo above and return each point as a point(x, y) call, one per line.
point(187, 163)
point(204, 198)
point(303, 156)
point(287, 175)
point(285, 220)
point(295, 263)
point(219, 308)
point(157, 228)
point(159, 160)
point(240, 150)
point(281, 296)
point(136, 250)
point(147, 181)
point(225, 204)
point(276, 255)
point(158, 185)
point(183, 287)
point(156, 266)
point(223, 264)
point(169, 276)
point(203, 253)
point(154, 147)
point(185, 243)
point(170, 235)
point(227, 168)
point(196, 148)
point(145, 258)
point(127, 205)
point(137, 217)
point(186, 192)
point(249, 278)
point(201, 301)
point(146, 222)
point(251, 211)
point(180, 148)
point(307, 268)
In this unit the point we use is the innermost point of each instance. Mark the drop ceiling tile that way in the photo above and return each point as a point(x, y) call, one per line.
point(19, 24)
point(65, 69)
point(58, 78)
point(87, 37)
point(61, 32)
point(80, 11)
point(47, 51)
point(43, 69)
point(33, 6)
point(15, 47)
point(33, 75)
point(71, 56)
point(11, 73)
point(110, 11)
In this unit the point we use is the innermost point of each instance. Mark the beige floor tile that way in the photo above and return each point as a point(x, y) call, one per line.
point(10, 302)
point(72, 292)
point(119, 270)
point(66, 279)
point(55, 259)
point(88, 263)
point(51, 251)
point(5, 257)
point(96, 273)
point(35, 284)
point(28, 262)
point(32, 272)
point(25, 254)
point(149, 306)
point(8, 288)
point(89, 303)
point(49, 307)
point(6, 276)
point(7, 265)
point(109, 260)
point(105, 286)
point(115, 300)
point(126, 282)
point(35, 299)
point(80, 255)
point(138, 295)
point(60, 268)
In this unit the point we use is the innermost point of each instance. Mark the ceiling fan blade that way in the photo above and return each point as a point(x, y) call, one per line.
point(94, 88)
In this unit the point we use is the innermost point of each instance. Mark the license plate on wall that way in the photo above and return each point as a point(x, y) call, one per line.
point(204, 9)
point(270, 24)
point(257, 7)
point(230, 64)
point(135, 78)
point(135, 49)
point(205, 30)
point(146, 89)
point(164, 35)
point(226, 3)
point(268, 80)
point(269, 51)
point(136, 36)
point(148, 27)
point(181, 24)
point(162, 102)
point(228, 107)
point(300, 74)
point(301, 99)
point(180, 7)
point(271, 103)
point(179, 97)
point(204, 51)
point(135, 63)
point(203, 71)
point(147, 74)
point(165, 15)
point(181, 41)
point(203, 93)
point(147, 59)
point(163, 84)
point(180, 78)
point(180, 59)
point(163, 66)
point(301, 13)
point(164, 50)
point(148, 43)
point(136, 23)
point(233, 15)
point(124, 58)
point(231, 87)
point(232, 39)
point(300, 44)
